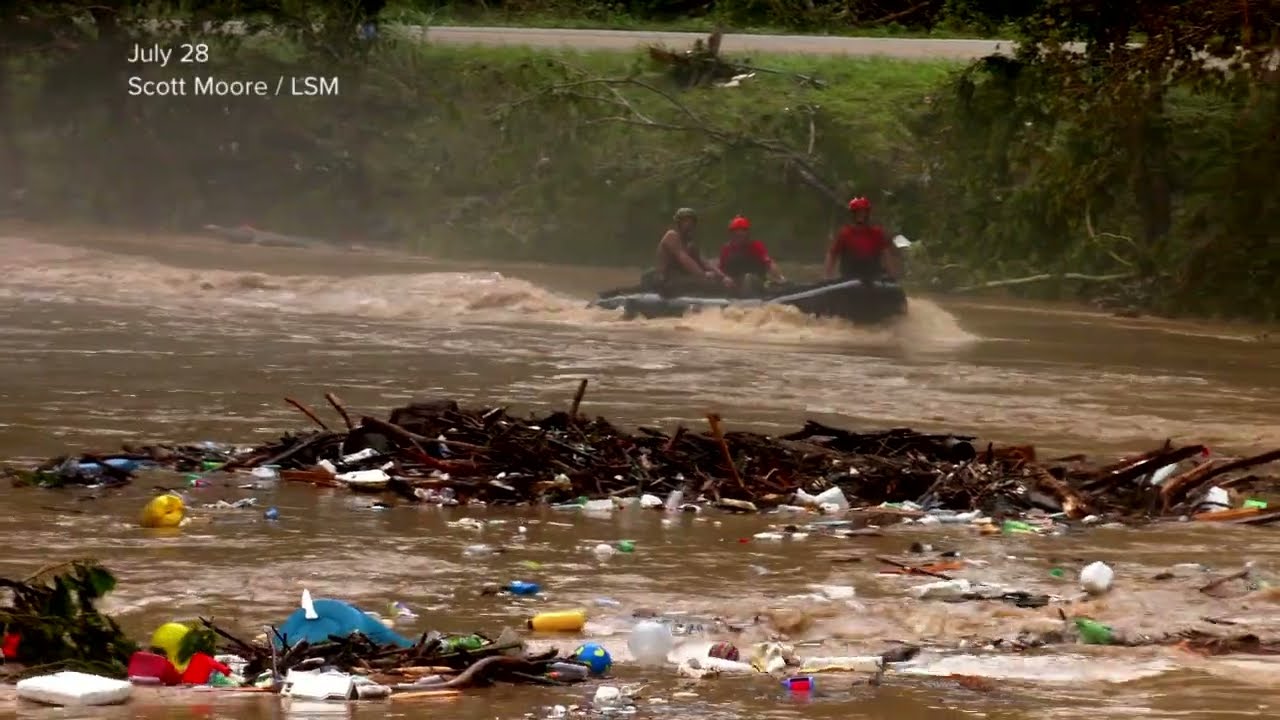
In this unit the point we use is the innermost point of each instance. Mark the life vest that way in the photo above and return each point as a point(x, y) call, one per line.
point(740, 259)
point(858, 248)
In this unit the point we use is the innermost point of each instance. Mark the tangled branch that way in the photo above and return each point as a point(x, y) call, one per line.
point(626, 113)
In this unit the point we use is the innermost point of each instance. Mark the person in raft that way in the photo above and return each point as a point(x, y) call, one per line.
point(681, 266)
point(860, 250)
point(745, 260)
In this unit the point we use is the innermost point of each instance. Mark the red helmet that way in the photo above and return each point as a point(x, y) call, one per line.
point(740, 223)
point(860, 203)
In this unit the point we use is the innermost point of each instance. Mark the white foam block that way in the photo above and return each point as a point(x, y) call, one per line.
point(74, 689)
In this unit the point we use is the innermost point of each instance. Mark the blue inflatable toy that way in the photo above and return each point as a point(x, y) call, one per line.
point(595, 657)
point(316, 620)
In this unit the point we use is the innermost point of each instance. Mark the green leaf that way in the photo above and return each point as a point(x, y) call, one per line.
point(100, 580)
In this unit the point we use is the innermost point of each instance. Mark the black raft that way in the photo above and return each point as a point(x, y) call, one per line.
point(858, 301)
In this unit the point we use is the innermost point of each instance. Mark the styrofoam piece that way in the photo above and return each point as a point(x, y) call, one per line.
point(73, 689)
point(315, 685)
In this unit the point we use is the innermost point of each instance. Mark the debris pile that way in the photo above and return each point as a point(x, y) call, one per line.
point(434, 662)
point(51, 621)
point(441, 452)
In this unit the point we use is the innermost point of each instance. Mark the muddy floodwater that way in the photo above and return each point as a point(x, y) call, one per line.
point(107, 337)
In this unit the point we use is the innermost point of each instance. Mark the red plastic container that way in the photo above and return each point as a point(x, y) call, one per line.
point(201, 668)
point(147, 666)
point(10, 646)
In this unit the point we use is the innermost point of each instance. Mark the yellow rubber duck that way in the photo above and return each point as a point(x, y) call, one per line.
point(168, 637)
point(164, 511)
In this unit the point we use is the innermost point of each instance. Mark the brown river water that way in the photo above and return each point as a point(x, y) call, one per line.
point(107, 337)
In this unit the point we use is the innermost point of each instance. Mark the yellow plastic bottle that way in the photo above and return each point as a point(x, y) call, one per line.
point(561, 621)
point(164, 511)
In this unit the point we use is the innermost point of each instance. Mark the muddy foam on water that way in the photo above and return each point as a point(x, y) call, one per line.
point(111, 339)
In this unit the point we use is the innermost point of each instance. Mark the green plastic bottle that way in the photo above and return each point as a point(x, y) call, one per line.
point(1094, 633)
point(463, 642)
point(1016, 526)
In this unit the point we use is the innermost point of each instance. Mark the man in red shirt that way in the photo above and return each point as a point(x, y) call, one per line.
point(741, 256)
point(860, 249)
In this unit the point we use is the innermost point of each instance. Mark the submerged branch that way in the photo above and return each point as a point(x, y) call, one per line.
point(1043, 277)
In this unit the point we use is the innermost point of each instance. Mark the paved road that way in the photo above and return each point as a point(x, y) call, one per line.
point(910, 49)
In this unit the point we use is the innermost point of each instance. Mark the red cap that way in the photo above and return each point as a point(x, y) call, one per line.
point(740, 223)
point(860, 203)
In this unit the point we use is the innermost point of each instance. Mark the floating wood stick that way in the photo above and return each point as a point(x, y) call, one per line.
point(713, 420)
point(912, 569)
point(577, 399)
point(1238, 575)
point(1073, 504)
point(337, 405)
point(675, 439)
point(425, 694)
point(308, 412)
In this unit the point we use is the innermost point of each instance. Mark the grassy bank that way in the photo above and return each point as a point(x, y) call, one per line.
point(511, 153)
point(474, 151)
point(608, 17)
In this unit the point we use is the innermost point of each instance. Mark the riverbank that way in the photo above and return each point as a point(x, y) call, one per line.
point(580, 156)
point(882, 19)
point(556, 19)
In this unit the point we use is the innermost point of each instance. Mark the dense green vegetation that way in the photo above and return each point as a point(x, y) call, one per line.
point(1145, 164)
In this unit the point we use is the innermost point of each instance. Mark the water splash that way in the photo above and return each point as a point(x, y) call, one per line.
point(81, 274)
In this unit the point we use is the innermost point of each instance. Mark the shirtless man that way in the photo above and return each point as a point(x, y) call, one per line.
point(679, 262)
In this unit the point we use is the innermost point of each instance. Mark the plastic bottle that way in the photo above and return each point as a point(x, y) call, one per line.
point(562, 621)
point(1016, 526)
point(356, 457)
point(650, 642)
point(1159, 476)
point(365, 477)
point(568, 672)
point(1215, 499)
point(372, 691)
point(942, 590)
point(1094, 633)
point(598, 506)
point(799, 684)
point(722, 665)
point(465, 642)
point(674, 501)
point(266, 472)
point(830, 496)
point(520, 587)
point(124, 464)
